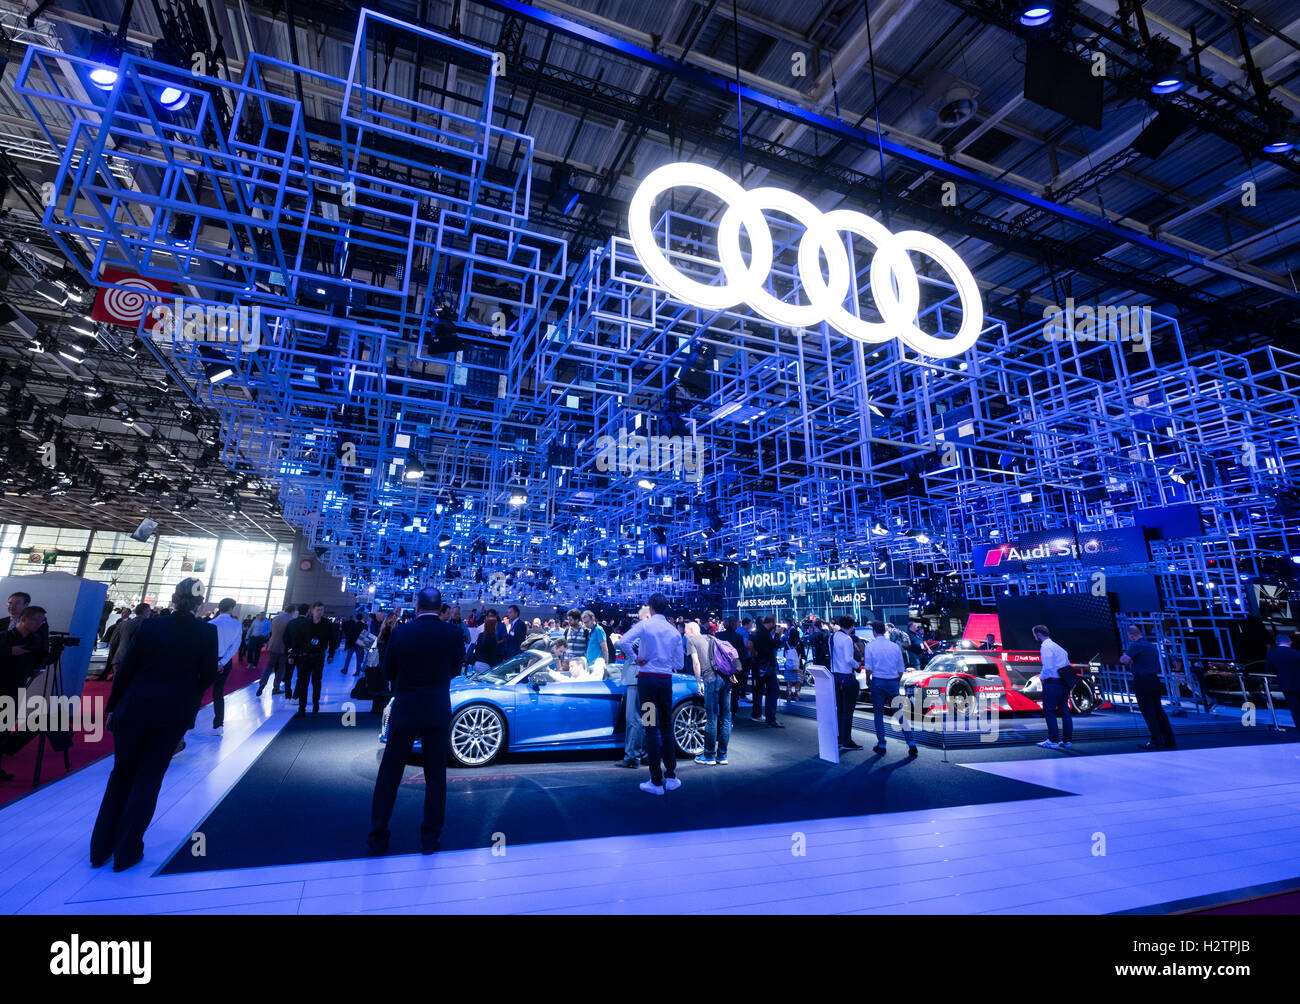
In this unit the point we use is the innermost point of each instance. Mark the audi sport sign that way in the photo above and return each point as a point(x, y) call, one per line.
point(894, 283)
point(124, 297)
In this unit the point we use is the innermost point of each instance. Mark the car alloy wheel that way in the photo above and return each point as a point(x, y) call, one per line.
point(1082, 699)
point(688, 728)
point(961, 699)
point(478, 734)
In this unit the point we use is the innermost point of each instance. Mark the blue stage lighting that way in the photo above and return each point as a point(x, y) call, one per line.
point(173, 98)
point(1166, 85)
point(1036, 15)
point(104, 77)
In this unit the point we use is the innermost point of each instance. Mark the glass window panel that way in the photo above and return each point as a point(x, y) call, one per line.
point(125, 581)
point(40, 541)
point(243, 571)
point(10, 534)
point(179, 558)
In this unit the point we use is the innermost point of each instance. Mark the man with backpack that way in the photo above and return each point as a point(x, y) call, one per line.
point(844, 662)
point(713, 660)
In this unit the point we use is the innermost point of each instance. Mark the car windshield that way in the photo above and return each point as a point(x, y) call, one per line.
point(508, 670)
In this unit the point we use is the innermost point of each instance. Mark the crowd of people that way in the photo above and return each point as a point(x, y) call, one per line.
point(162, 662)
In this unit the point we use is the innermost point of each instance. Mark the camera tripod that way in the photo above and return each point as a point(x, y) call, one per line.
point(53, 688)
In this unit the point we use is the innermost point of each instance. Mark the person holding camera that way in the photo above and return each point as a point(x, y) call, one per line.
point(21, 658)
point(171, 662)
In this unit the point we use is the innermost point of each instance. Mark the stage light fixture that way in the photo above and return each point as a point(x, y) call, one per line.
point(414, 470)
point(518, 496)
point(444, 539)
point(646, 483)
point(564, 196)
point(1036, 14)
point(216, 367)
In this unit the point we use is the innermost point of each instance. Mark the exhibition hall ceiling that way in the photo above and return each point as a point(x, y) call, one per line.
point(1161, 178)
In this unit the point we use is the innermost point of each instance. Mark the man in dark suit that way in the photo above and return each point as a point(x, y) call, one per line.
point(419, 661)
point(516, 632)
point(1284, 661)
point(122, 633)
point(171, 662)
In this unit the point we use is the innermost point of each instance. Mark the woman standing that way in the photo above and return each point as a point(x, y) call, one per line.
point(489, 648)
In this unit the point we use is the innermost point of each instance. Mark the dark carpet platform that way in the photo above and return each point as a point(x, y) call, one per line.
point(307, 798)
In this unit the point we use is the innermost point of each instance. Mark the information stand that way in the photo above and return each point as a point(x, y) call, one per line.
point(828, 726)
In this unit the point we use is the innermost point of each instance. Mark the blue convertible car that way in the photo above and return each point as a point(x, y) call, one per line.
point(527, 704)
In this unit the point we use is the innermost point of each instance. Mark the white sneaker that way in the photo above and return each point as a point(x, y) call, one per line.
point(1047, 744)
point(650, 788)
point(671, 784)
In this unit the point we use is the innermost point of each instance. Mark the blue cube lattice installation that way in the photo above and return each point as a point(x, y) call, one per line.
point(361, 287)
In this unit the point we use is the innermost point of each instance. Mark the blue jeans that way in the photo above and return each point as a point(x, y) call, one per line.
point(1056, 699)
point(633, 730)
point(717, 708)
point(883, 693)
point(357, 652)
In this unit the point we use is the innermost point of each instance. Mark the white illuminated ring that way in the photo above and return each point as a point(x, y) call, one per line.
point(894, 284)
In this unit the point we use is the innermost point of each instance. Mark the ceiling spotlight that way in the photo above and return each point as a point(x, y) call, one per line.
point(444, 539)
point(216, 367)
point(1181, 474)
point(518, 496)
point(879, 529)
point(414, 470)
point(564, 196)
point(646, 483)
point(51, 291)
point(1166, 85)
point(1036, 13)
point(173, 98)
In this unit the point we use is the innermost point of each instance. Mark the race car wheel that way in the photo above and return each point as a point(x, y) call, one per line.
point(1082, 698)
point(688, 728)
point(961, 698)
point(477, 735)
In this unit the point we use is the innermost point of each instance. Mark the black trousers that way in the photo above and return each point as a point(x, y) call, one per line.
point(1293, 706)
point(254, 649)
point(1148, 690)
point(766, 683)
point(738, 689)
point(140, 759)
point(309, 672)
point(660, 743)
point(391, 768)
point(846, 700)
point(219, 695)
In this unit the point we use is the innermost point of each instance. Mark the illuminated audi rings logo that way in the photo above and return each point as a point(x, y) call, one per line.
point(894, 284)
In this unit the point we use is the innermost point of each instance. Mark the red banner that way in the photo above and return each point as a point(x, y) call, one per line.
point(124, 297)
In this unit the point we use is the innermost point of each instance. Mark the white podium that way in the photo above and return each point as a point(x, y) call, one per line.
point(828, 726)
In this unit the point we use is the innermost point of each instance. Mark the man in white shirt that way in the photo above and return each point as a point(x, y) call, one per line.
point(229, 634)
point(884, 661)
point(1056, 690)
point(844, 668)
point(657, 655)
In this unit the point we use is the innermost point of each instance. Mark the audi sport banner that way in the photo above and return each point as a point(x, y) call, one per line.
point(125, 297)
